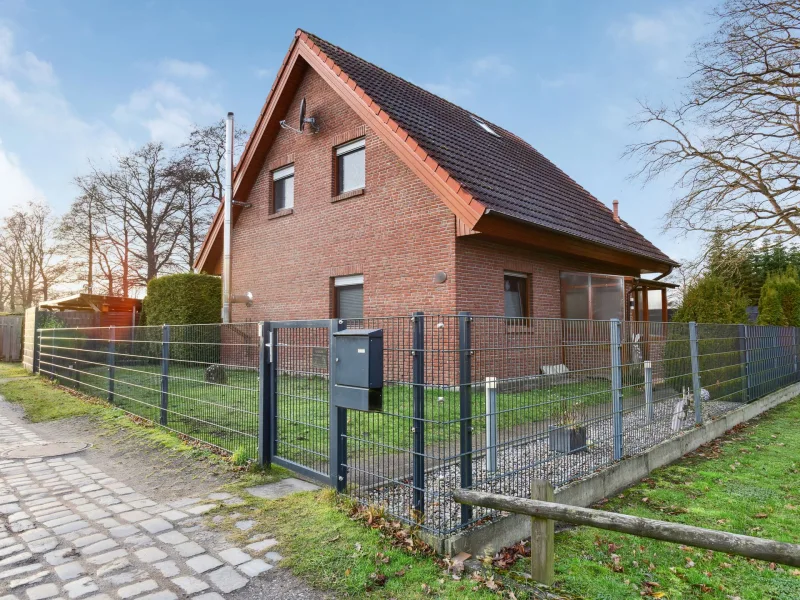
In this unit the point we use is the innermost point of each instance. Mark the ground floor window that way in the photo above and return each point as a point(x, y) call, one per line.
point(516, 295)
point(349, 297)
point(590, 296)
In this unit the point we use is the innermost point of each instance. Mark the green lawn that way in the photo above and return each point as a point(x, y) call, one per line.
point(747, 482)
point(227, 415)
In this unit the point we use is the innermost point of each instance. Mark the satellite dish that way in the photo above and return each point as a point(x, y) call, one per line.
point(302, 115)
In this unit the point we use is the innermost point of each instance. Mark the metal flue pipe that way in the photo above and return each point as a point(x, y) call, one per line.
point(227, 210)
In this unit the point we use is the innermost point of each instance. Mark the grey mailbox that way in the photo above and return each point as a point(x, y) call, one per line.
point(358, 369)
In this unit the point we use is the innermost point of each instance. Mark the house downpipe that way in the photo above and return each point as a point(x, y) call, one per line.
point(227, 213)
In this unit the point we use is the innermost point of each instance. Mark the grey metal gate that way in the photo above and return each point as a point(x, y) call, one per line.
point(302, 430)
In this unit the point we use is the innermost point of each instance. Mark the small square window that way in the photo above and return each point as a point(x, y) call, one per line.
point(516, 295)
point(350, 167)
point(283, 188)
point(349, 297)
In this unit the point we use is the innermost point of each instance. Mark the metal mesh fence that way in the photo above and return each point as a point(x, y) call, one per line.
point(482, 402)
point(198, 380)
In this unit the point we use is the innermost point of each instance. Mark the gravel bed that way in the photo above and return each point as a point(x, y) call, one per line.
point(519, 463)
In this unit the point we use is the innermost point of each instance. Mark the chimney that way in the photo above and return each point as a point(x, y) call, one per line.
point(616, 210)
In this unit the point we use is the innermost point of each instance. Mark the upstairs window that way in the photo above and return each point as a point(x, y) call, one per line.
point(350, 167)
point(516, 295)
point(349, 297)
point(283, 188)
point(587, 296)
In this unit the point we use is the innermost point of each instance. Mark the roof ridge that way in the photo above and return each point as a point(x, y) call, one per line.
point(458, 107)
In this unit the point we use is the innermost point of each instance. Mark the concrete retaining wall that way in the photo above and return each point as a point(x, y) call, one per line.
point(607, 482)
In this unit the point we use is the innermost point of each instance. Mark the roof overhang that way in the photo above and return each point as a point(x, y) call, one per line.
point(93, 303)
point(500, 227)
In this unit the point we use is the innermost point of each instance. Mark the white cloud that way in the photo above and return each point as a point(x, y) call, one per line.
point(173, 67)
point(491, 65)
point(166, 111)
point(17, 186)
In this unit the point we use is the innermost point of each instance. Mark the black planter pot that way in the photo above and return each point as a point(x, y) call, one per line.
point(567, 439)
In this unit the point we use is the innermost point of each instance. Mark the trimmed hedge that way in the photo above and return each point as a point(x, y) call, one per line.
point(183, 299)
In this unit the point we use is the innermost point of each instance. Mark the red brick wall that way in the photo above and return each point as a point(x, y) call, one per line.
point(398, 234)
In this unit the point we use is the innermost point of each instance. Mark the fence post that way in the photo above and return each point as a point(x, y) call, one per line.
point(695, 350)
point(37, 341)
point(164, 374)
point(418, 375)
point(111, 361)
point(616, 386)
point(491, 424)
point(264, 395)
point(338, 417)
point(648, 390)
point(542, 537)
point(465, 405)
point(794, 351)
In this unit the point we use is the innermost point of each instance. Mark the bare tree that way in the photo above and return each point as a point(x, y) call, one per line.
point(144, 196)
point(198, 205)
point(206, 150)
point(78, 229)
point(734, 138)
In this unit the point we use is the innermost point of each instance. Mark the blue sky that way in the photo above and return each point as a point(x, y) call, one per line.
point(81, 80)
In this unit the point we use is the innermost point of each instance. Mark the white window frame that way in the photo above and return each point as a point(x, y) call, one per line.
point(280, 175)
point(351, 147)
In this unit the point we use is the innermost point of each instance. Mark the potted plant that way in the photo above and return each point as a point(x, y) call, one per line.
point(567, 435)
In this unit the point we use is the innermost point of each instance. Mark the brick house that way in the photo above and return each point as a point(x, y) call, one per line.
point(396, 200)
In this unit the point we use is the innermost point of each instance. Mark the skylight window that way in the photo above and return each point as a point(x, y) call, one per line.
point(485, 127)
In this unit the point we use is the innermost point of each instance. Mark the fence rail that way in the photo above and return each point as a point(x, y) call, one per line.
point(473, 402)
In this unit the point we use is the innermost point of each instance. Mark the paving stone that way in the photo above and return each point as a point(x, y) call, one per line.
point(70, 570)
point(174, 515)
point(141, 503)
point(18, 516)
point(61, 556)
point(9, 550)
point(26, 580)
point(40, 592)
point(244, 525)
point(259, 547)
point(168, 568)
point(203, 563)
point(134, 516)
point(254, 567)
point(273, 491)
point(15, 559)
point(70, 527)
point(173, 537)
point(13, 572)
point(34, 534)
point(190, 585)
point(138, 540)
point(102, 559)
point(150, 555)
point(227, 580)
point(120, 508)
point(137, 588)
point(123, 531)
point(68, 518)
point(162, 595)
point(273, 557)
point(80, 533)
point(188, 549)
point(201, 509)
point(220, 496)
point(9, 509)
point(234, 556)
point(43, 545)
point(156, 525)
point(116, 565)
point(80, 587)
point(94, 515)
point(100, 546)
point(21, 526)
point(209, 596)
point(120, 579)
point(89, 539)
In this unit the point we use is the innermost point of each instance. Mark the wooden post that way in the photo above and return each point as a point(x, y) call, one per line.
point(542, 536)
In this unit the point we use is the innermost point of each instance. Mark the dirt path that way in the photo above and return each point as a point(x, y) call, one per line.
point(124, 517)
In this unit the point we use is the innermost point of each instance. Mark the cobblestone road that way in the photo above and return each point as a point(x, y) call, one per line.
point(68, 530)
